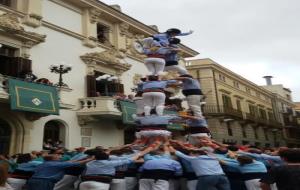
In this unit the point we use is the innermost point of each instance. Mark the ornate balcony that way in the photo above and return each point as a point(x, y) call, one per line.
point(95, 108)
point(214, 110)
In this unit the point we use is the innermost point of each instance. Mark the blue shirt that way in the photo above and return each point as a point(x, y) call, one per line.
point(189, 83)
point(264, 158)
point(187, 166)
point(155, 120)
point(157, 84)
point(156, 157)
point(255, 167)
point(162, 164)
point(203, 165)
point(52, 170)
point(105, 167)
point(79, 156)
point(29, 166)
point(163, 38)
point(197, 122)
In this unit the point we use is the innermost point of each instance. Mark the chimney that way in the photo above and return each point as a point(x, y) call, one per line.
point(268, 80)
point(154, 27)
point(117, 7)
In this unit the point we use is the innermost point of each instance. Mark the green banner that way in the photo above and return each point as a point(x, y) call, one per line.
point(129, 108)
point(33, 97)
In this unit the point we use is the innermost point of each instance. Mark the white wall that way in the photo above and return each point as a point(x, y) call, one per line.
point(127, 77)
point(62, 16)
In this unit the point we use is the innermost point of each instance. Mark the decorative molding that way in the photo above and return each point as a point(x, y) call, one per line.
point(124, 29)
point(111, 59)
point(95, 15)
point(225, 91)
point(33, 20)
point(90, 41)
point(10, 24)
point(239, 97)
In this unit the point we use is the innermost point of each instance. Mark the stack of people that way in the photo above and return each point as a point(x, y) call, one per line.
point(155, 161)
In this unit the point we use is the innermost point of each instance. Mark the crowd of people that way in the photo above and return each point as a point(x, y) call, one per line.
point(165, 164)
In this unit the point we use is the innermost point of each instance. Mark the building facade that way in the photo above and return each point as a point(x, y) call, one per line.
point(285, 111)
point(92, 36)
point(238, 111)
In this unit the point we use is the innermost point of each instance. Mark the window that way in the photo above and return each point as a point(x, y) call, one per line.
point(258, 94)
point(257, 144)
point(226, 101)
point(11, 65)
point(238, 105)
point(288, 97)
point(5, 2)
point(262, 113)
point(248, 90)
point(229, 130)
point(236, 84)
point(244, 132)
point(266, 134)
point(222, 78)
point(271, 115)
point(252, 110)
point(245, 142)
point(102, 33)
point(255, 132)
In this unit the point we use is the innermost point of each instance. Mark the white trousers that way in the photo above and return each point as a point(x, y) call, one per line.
point(93, 185)
point(139, 105)
point(118, 184)
point(154, 100)
point(178, 68)
point(16, 184)
point(66, 183)
point(191, 184)
point(194, 103)
point(151, 184)
point(155, 65)
point(253, 184)
point(131, 183)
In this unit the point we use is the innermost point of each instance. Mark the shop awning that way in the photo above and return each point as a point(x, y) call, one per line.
point(129, 108)
point(33, 97)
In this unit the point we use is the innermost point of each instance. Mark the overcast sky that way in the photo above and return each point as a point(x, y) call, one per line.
point(251, 37)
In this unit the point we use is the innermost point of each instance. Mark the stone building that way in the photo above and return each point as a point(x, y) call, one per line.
point(285, 111)
point(238, 111)
point(92, 36)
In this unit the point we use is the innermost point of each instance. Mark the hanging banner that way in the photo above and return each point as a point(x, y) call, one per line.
point(129, 108)
point(33, 97)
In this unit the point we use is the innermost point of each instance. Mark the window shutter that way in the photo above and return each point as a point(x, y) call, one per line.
point(91, 86)
point(19, 65)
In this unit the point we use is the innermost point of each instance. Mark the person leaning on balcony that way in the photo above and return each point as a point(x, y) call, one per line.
point(153, 94)
point(192, 90)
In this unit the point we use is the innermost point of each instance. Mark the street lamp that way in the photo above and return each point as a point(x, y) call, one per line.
point(60, 69)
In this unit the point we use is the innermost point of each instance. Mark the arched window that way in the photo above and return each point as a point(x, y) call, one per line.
point(55, 131)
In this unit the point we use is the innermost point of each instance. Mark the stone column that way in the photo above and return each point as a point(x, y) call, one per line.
point(33, 11)
point(89, 27)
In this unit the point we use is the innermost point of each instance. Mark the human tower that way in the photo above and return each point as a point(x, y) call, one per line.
point(162, 56)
